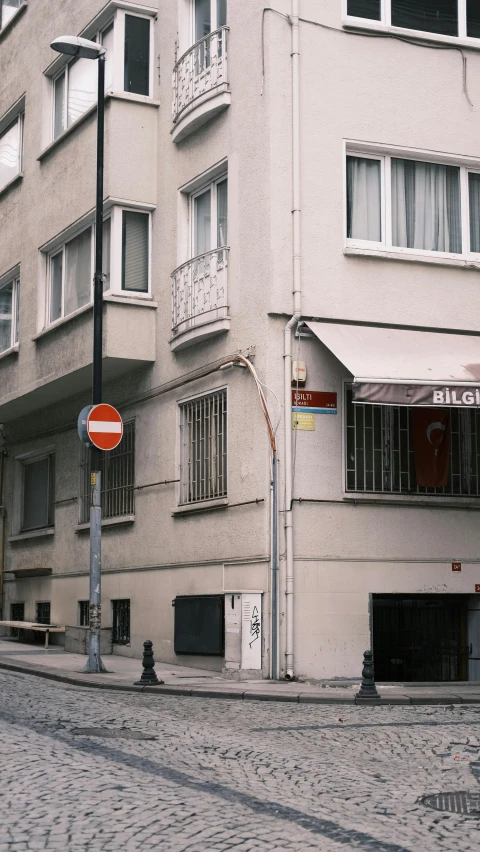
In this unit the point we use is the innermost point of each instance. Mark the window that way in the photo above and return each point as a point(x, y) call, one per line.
point(42, 612)
point(38, 493)
point(135, 228)
point(118, 478)
point(11, 151)
point(84, 613)
point(121, 622)
point(17, 613)
point(75, 86)
point(380, 455)
point(209, 216)
point(203, 448)
point(412, 206)
point(208, 16)
point(443, 17)
point(9, 305)
point(70, 265)
point(8, 8)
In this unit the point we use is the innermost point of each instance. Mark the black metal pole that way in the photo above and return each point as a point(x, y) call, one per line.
point(94, 662)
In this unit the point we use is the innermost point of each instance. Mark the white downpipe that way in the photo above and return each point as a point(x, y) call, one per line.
point(297, 307)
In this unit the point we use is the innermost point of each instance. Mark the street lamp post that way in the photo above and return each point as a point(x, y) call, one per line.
point(81, 47)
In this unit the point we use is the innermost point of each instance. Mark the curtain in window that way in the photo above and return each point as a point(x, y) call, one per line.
point(432, 16)
point(6, 317)
point(82, 88)
point(56, 278)
point(59, 123)
point(135, 251)
point(364, 9)
point(363, 199)
point(222, 211)
point(107, 43)
point(106, 253)
point(78, 272)
point(36, 498)
point(474, 197)
point(9, 151)
point(426, 206)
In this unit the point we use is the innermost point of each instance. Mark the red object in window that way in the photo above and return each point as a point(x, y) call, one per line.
point(431, 444)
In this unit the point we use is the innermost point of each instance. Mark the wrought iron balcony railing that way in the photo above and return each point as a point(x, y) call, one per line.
point(201, 69)
point(199, 291)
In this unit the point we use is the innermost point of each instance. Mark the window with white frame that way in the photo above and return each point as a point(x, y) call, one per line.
point(11, 151)
point(8, 8)
point(444, 17)
point(208, 16)
point(37, 487)
point(126, 253)
point(203, 448)
point(9, 305)
point(414, 206)
point(128, 68)
point(209, 217)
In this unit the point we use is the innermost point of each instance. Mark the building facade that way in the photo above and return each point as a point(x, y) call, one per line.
point(291, 221)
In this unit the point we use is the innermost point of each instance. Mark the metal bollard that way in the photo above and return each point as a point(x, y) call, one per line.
point(149, 676)
point(367, 687)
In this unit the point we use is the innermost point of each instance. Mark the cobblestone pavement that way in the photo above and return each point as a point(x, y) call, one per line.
point(223, 775)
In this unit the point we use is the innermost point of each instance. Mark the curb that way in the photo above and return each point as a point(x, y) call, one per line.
point(297, 698)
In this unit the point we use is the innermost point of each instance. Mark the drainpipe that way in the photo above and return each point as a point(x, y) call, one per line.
point(297, 307)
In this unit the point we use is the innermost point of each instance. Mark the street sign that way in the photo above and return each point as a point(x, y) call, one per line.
point(303, 422)
point(82, 425)
point(104, 427)
point(314, 402)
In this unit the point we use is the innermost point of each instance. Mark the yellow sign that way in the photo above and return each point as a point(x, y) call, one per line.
point(303, 421)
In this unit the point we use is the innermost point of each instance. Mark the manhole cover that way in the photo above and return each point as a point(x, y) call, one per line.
point(467, 804)
point(111, 733)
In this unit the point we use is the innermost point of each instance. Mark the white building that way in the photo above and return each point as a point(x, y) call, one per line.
point(313, 198)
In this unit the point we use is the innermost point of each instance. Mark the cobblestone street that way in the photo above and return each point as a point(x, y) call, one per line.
point(217, 775)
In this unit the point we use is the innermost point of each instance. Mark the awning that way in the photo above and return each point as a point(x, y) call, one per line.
point(393, 366)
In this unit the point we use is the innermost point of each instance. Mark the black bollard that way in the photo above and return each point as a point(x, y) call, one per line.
point(367, 687)
point(149, 677)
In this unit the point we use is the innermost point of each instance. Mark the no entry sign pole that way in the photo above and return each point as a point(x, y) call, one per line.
point(94, 662)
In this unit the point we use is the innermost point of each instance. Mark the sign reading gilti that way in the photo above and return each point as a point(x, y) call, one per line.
point(314, 402)
point(447, 396)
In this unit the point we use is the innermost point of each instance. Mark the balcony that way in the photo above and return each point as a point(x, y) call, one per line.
point(199, 299)
point(200, 84)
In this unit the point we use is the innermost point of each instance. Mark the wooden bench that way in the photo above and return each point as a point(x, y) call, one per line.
point(31, 625)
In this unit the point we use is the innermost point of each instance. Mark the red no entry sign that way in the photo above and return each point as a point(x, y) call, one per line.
point(104, 427)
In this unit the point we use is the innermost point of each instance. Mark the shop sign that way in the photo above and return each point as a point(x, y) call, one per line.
point(303, 421)
point(314, 402)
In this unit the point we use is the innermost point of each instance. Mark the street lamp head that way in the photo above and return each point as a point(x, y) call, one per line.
point(76, 46)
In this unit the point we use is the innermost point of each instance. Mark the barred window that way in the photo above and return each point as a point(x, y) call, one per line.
point(380, 453)
point(42, 612)
point(203, 442)
point(121, 622)
point(84, 613)
point(118, 475)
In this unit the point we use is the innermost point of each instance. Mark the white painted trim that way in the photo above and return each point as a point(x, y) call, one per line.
point(198, 333)
point(384, 26)
point(200, 111)
point(14, 18)
point(412, 255)
point(11, 351)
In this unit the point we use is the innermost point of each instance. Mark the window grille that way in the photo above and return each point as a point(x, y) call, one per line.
point(42, 612)
point(203, 440)
point(17, 613)
point(118, 474)
point(380, 455)
point(121, 622)
point(84, 613)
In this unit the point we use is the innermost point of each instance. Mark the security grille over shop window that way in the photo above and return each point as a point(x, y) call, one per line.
point(118, 474)
point(203, 441)
point(121, 622)
point(380, 454)
point(42, 612)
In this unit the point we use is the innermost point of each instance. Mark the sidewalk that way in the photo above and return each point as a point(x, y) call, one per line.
point(55, 664)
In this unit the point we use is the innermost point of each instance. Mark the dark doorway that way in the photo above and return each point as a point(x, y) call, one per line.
point(421, 637)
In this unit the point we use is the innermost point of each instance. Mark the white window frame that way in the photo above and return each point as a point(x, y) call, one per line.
point(15, 282)
point(213, 18)
point(385, 155)
point(20, 462)
point(61, 249)
point(212, 186)
point(179, 450)
point(7, 23)
point(15, 114)
point(117, 18)
point(385, 22)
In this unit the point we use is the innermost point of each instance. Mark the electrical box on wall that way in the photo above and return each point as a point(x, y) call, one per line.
point(299, 373)
point(243, 631)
